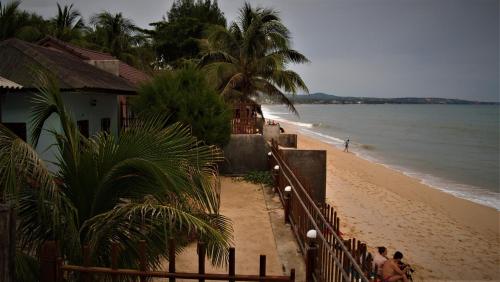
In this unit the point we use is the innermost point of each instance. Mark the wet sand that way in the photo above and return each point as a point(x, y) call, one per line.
point(443, 237)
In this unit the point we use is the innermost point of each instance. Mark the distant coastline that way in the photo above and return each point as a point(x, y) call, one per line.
point(322, 98)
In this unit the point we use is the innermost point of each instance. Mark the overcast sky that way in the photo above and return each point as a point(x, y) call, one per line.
point(374, 48)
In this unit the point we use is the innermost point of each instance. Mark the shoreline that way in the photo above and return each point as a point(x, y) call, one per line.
point(441, 235)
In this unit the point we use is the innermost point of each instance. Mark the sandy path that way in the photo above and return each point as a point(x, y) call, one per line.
point(244, 204)
point(442, 236)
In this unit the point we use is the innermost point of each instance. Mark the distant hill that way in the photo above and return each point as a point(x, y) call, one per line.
point(322, 98)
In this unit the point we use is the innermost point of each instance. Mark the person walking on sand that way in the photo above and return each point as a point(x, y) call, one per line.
point(346, 144)
point(391, 271)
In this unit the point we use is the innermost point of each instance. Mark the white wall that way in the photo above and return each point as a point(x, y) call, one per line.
point(16, 107)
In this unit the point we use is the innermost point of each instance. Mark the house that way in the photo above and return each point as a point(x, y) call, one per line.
point(105, 61)
point(89, 91)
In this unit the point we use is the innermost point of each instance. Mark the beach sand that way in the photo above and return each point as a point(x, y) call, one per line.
point(244, 204)
point(441, 236)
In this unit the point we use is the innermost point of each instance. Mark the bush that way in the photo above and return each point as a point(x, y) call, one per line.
point(259, 177)
point(186, 95)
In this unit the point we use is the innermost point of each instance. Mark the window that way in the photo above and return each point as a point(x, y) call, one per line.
point(83, 127)
point(19, 128)
point(106, 125)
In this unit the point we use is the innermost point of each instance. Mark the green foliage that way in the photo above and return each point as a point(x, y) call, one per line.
point(20, 24)
point(68, 24)
point(259, 177)
point(189, 99)
point(177, 39)
point(150, 183)
point(251, 57)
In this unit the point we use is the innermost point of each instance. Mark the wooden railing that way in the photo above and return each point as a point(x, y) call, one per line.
point(244, 125)
point(328, 257)
point(53, 268)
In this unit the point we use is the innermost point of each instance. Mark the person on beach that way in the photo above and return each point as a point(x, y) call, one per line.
point(346, 144)
point(379, 259)
point(391, 271)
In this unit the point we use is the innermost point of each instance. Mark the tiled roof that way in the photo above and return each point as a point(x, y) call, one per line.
point(19, 60)
point(5, 83)
point(128, 72)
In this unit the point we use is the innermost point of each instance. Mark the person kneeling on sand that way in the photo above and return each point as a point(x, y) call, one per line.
point(391, 271)
point(379, 259)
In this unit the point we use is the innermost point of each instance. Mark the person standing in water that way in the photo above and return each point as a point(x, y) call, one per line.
point(346, 144)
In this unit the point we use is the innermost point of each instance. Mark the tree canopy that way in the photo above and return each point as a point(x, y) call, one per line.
point(251, 57)
point(187, 96)
point(177, 37)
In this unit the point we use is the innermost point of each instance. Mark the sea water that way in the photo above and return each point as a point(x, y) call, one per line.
point(454, 148)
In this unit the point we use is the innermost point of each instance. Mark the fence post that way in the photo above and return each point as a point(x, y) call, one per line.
point(86, 263)
point(114, 260)
point(262, 267)
point(171, 258)
point(48, 262)
point(201, 260)
point(7, 243)
point(142, 258)
point(288, 192)
point(311, 251)
point(232, 263)
point(276, 174)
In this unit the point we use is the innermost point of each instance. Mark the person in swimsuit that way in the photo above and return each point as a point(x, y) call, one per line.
point(391, 271)
point(379, 259)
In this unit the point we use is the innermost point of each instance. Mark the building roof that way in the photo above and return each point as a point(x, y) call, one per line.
point(7, 84)
point(20, 59)
point(128, 72)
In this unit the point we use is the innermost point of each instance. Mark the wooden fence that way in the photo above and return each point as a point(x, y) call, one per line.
point(53, 268)
point(244, 125)
point(328, 257)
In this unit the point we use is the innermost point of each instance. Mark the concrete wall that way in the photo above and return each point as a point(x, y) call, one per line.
point(271, 132)
point(310, 169)
point(288, 140)
point(16, 107)
point(245, 153)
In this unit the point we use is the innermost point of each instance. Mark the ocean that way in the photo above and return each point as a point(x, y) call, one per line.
point(453, 148)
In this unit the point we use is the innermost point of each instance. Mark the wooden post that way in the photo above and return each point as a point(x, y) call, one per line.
point(114, 260)
point(232, 264)
point(201, 260)
point(7, 243)
point(262, 267)
point(48, 262)
point(292, 275)
point(311, 251)
point(171, 258)
point(288, 191)
point(142, 258)
point(86, 263)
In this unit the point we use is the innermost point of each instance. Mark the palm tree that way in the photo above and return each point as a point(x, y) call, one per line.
point(21, 24)
point(152, 182)
point(251, 57)
point(67, 23)
point(115, 32)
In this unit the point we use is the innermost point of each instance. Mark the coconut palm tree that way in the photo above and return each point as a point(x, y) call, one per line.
point(115, 32)
point(21, 24)
point(152, 182)
point(251, 57)
point(68, 22)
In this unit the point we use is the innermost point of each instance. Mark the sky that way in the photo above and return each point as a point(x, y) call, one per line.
point(369, 48)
